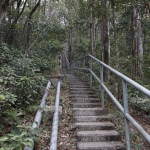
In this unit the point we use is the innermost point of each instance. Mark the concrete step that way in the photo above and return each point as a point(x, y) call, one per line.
point(86, 105)
point(91, 118)
point(81, 89)
point(90, 126)
point(89, 111)
point(78, 86)
point(77, 82)
point(82, 92)
point(85, 100)
point(101, 146)
point(74, 96)
point(74, 80)
point(98, 135)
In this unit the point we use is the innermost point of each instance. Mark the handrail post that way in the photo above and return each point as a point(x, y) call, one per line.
point(101, 88)
point(90, 72)
point(126, 111)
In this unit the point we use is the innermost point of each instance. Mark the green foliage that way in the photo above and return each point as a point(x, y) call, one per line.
point(81, 48)
point(28, 89)
point(19, 137)
point(139, 100)
point(20, 85)
point(29, 51)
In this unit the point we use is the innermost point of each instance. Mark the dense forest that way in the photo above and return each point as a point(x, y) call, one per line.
point(34, 32)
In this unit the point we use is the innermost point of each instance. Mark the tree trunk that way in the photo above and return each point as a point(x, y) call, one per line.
point(10, 34)
point(2, 12)
point(139, 43)
point(91, 30)
point(115, 36)
point(105, 39)
point(117, 89)
point(3, 7)
point(70, 33)
point(4, 4)
point(27, 24)
point(134, 45)
point(70, 44)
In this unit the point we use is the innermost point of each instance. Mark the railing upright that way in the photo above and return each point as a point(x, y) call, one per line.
point(101, 88)
point(91, 76)
point(126, 111)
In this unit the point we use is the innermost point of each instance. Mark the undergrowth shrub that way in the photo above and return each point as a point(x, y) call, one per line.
point(18, 138)
point(20, 86)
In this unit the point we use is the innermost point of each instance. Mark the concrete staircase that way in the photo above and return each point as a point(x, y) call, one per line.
point(94, 129)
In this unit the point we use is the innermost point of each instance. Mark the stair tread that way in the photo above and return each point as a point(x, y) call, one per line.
point(108, 144)
point(94, 123)
point(82, 94)
point(99, 108)
point(98, 132)
point(84, 98)
point(91, 118)
point(77, 88)
point(88, 103)
point(102, 116)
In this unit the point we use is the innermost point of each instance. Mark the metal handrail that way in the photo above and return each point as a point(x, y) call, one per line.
point(54, 134)
point(38, 116)
point(76, 65)
point(130, 81)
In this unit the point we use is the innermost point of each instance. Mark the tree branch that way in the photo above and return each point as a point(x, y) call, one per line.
point(26, 51)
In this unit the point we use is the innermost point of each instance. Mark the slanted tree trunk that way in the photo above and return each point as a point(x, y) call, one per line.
point(10, 33)
point(27, 24)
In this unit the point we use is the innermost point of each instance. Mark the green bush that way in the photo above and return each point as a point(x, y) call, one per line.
point(28, 89)
point(19, 137)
